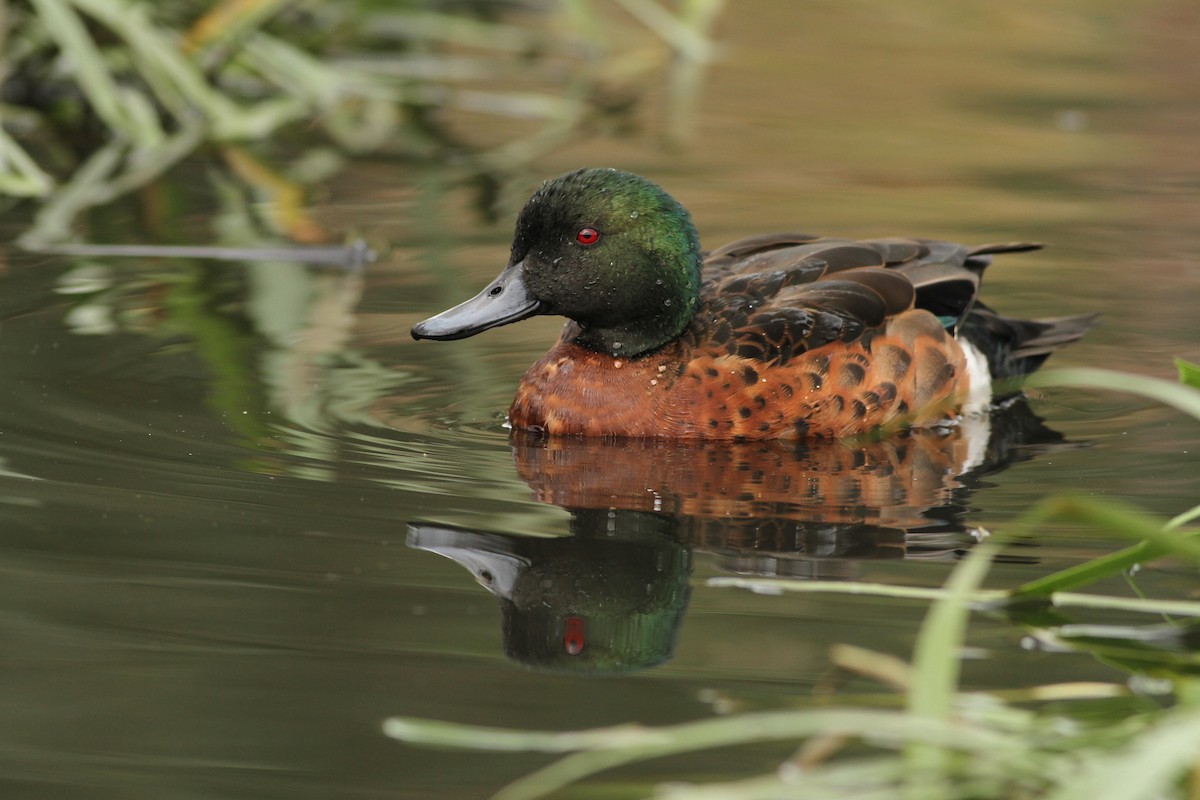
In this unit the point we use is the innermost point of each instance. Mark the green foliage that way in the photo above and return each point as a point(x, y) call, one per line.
point(948, 743)
point(97, 97)
point(1189, 373)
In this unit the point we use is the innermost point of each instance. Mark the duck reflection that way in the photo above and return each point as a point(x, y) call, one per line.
point(611, 596)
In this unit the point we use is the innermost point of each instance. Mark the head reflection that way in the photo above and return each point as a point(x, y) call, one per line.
point(611, 595)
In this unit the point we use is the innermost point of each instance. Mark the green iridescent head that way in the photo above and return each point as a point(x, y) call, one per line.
point(607, 249)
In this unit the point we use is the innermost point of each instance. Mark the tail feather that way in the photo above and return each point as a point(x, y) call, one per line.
point(1003, 247)
point(1016, 347)
point(980, 257)
point(1055, 333)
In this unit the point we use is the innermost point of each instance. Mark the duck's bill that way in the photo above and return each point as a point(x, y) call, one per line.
point(502, 301)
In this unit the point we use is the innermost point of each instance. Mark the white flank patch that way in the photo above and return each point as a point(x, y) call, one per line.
point(976, 422)
point(979, 398)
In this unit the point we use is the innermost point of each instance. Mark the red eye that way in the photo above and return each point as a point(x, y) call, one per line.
point(587, 236)
point(574, 636)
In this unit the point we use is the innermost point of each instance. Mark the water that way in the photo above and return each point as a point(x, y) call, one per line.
point(246, 517)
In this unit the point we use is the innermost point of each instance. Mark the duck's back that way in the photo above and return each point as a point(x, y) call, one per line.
point(797, 335)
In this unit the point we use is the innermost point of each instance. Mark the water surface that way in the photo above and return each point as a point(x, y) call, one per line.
point(246, 518)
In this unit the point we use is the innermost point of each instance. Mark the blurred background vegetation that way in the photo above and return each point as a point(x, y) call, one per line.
point(99, 97)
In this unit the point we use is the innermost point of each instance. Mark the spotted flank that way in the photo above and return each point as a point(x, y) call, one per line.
point(771, 336)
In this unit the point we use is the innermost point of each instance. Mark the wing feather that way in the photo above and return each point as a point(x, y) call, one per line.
point(773, 296)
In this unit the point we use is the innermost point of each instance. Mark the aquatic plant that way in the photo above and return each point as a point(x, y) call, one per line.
point(1099, 741)
point(97, 97)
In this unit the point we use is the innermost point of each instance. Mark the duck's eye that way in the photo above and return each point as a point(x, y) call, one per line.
point(587, 236)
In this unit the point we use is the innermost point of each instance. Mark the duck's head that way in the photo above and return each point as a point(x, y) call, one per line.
point(607, 249)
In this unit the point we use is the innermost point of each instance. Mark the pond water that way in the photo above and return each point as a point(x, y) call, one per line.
point(247, 518)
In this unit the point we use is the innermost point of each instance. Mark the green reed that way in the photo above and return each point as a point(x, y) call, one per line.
point(98, 97)
point(941, 741)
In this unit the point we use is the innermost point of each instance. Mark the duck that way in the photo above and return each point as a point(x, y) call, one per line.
point(772, 336)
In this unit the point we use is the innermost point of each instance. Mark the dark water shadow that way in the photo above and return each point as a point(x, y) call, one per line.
point(610, 595)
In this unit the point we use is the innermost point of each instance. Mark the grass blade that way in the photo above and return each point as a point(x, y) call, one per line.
point(1117, 519)
point(936, 657)
point(1146, 768)
point(90, 68)
point(778, 586)
point(20, 176)
point(1088, 572)
point(1189, 373)
point(606, 748)
point(1184, 398)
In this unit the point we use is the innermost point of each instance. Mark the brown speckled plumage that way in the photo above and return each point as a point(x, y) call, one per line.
point(889, 482)
point(794, 336)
